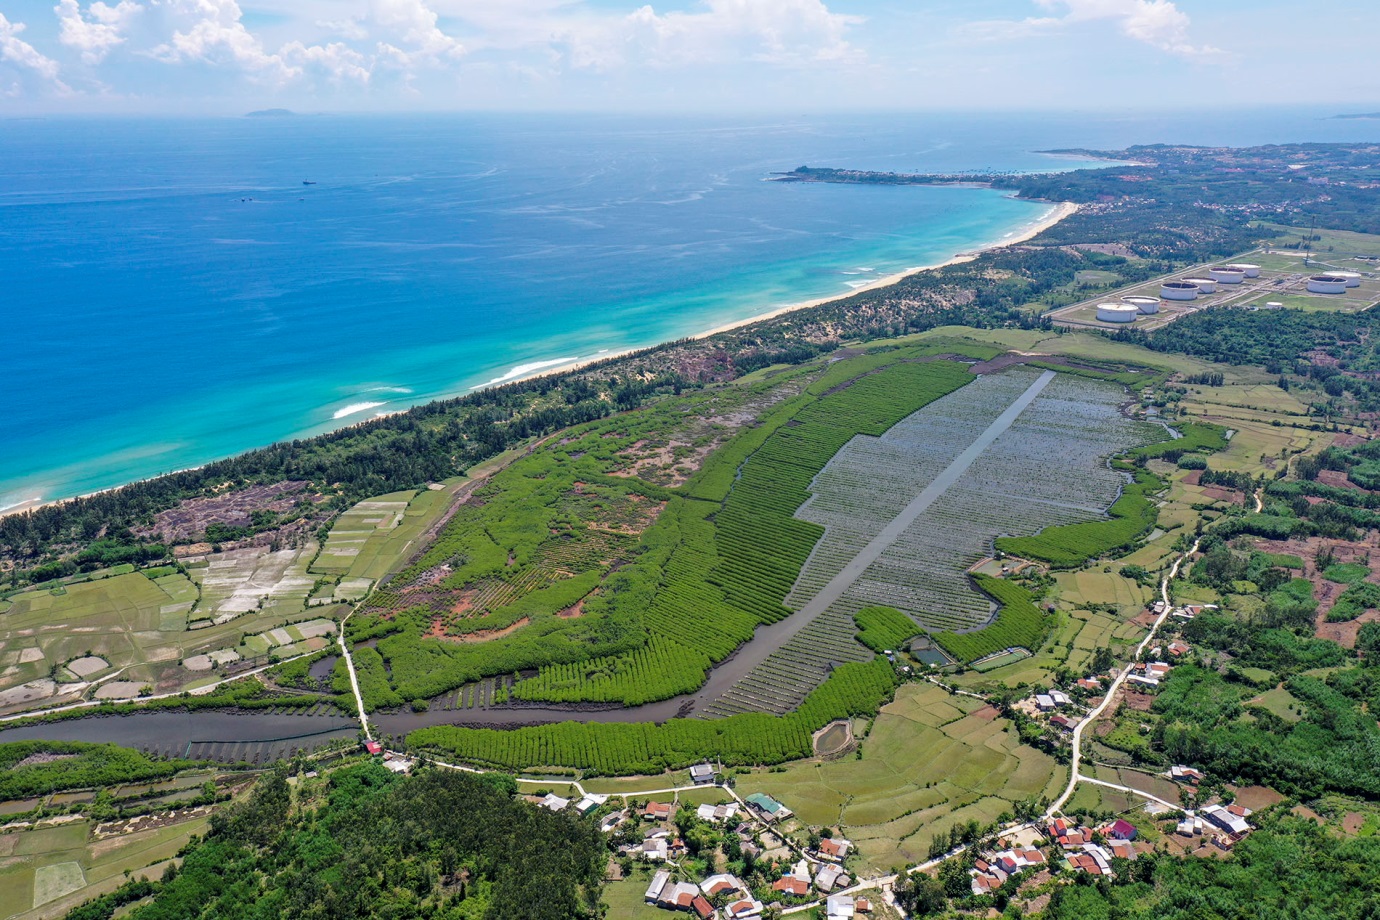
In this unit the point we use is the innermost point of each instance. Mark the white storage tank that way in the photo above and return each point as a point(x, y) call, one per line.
point(1206, 285)
point(1327, 284)
point(1227, 275)
point(1178, 290)
point(1246, 268)
point(1117, 312)
point(1353, 279)
point(1146, 306)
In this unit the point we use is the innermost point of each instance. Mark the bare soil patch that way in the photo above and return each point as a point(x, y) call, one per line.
point(986, 713)
point(1257, 797)
point(190, 518)
point(438, 631)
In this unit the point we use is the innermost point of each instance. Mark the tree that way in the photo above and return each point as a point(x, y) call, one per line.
point(921, 894)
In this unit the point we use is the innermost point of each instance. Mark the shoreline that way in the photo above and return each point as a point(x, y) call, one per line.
point(1061, 210)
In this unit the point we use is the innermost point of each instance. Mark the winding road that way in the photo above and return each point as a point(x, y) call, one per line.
point(1092, 716)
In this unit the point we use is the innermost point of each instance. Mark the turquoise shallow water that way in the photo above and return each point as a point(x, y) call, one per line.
point(173, 291)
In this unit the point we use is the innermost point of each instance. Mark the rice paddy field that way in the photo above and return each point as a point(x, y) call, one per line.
point(931, 760)
point(45, 872)
point(159, 629)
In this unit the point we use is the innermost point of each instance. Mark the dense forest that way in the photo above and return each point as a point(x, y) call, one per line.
point(367, 843)
point(1290, 869)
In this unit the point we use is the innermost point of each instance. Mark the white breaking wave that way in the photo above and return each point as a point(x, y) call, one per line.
point(523, 370)
point(354, 408)
point(21, 503)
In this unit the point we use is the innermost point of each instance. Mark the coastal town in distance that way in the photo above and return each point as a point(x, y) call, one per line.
point(1038, 580)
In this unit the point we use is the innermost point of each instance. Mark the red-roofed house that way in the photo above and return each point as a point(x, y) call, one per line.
point(1121, 830)
point(703, 908)
point(658, 811)
point(791, 885)
point(835, 848)
point(373, 747)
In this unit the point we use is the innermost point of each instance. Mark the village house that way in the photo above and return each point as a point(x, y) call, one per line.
point(373, 747)
point(554, 802)
point(658, 811)
point(1067, 834)
point(718, 884)
point(1060, 698)
point(745, 909)
point(702, 773)
point(834, 848)
point(1182, 774)
point(830, 877)
point(1044, 702)
point(768, 807)
point(1225, 819)
point(1089, 684)
point(1122, 849)
point(1091, 859)
point(717, 814)
point(589, 803)
point(790, 884)
point(1177, 648)
point(679, 895)
point(839, 907)
point(658, 884)
point(1063, 722)
point(1120, 829)
point(1013, 861)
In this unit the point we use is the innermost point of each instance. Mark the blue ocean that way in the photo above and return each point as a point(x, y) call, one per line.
point(180, 290)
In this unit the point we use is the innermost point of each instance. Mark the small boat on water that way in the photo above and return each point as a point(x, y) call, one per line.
point(308, 182)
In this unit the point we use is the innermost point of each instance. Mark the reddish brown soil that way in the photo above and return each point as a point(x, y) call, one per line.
point(1337, 479)
point(438, 631)
point(1257, 797)
point(986, 713)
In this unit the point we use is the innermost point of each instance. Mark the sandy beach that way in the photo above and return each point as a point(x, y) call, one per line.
point(1060, 211)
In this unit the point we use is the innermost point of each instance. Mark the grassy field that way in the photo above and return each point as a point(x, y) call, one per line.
point(47, 871)
point(927, 764)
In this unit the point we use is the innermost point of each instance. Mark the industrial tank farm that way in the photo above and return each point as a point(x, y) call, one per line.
point(1178, 290)
point(1327, 284)
point(1261, 279)
point(1117, 312)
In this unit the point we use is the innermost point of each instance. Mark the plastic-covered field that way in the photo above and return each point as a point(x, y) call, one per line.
point(1049, 467)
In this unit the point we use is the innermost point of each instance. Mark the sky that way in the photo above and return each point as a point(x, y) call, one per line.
point(694, 56)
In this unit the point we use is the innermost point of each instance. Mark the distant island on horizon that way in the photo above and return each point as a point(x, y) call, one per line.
point(271, 113)
point(1362, 115)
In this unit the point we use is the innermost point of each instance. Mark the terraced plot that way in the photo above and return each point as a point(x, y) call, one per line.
point(1048, 467)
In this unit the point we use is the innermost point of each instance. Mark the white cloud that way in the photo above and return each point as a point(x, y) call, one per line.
point(17, 51)
point(776, 32)
point(211, 31)
point(1159, 23)
point(94, 33)
point(414, 23)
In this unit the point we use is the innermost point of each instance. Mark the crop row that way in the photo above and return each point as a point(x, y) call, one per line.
point(628, 748)
point(651, 672)
point(1019, 624)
